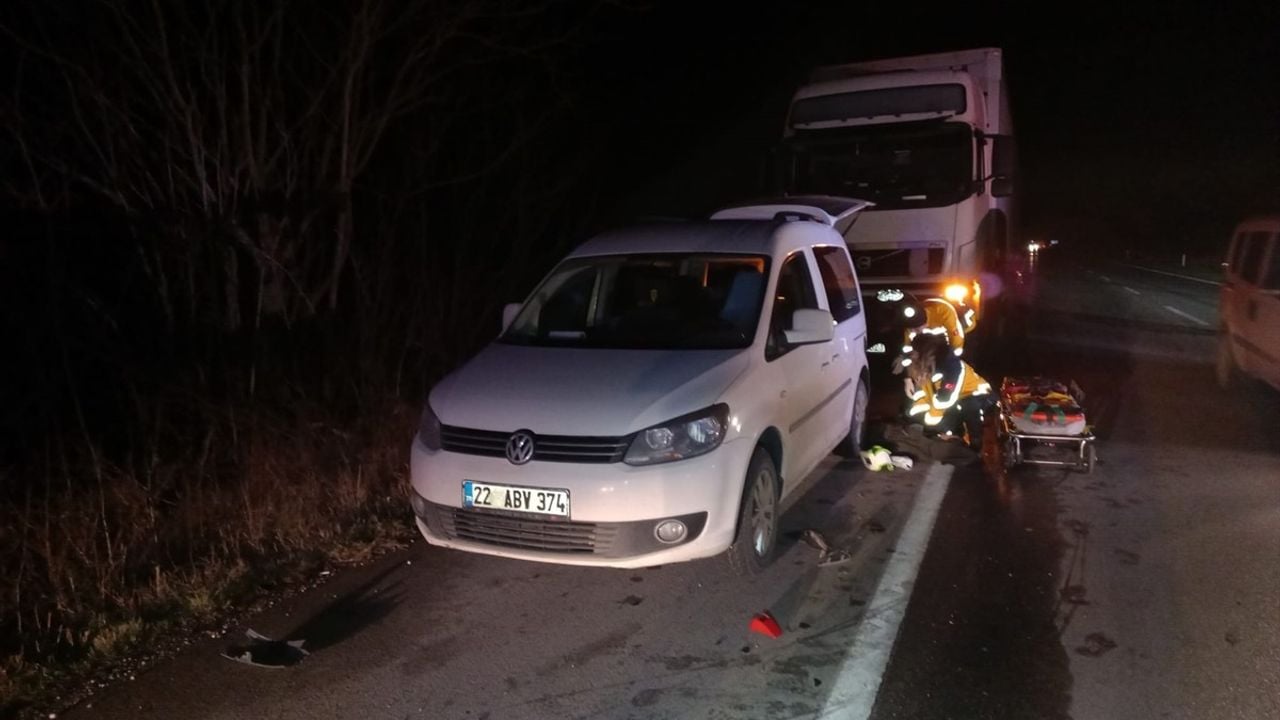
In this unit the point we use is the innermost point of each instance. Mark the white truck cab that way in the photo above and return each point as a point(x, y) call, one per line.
point(928, 139)
point(656, 398)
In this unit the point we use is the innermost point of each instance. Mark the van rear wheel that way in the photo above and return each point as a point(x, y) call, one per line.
point(757, 537)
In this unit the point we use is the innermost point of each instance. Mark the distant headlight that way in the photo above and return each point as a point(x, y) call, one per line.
point(684, 437)
point(429, 428)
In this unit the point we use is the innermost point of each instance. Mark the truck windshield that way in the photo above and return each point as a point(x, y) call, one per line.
point(896, 166)
point(668, 301)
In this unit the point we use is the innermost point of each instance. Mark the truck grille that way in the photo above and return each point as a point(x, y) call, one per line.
point(898, 263)
point(548, 448)
point(522, 532)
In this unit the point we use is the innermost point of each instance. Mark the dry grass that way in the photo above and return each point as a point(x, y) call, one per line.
point(104, 557)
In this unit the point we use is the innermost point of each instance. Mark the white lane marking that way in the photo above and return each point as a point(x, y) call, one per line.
point(1105, 278)
point(1126, 287)
point(1188, 316)
point(1176, 275)
point(853, 693)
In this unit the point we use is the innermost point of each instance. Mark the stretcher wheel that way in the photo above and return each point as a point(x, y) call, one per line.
point(1012, 455)
point(1090, 458)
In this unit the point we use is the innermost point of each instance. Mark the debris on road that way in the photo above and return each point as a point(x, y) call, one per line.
point(814, 539)
point(1096, 644)
point(877, 458)
point(765, 624)
point(827, 555)
point(262, 651)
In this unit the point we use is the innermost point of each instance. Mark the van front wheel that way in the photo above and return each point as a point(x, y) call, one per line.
point(757, 537)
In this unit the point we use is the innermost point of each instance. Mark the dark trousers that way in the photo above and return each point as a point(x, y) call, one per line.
point(968, 416)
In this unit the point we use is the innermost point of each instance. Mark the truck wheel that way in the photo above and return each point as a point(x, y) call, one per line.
point(1225, 366)
point(856, 437)
point(757, 538)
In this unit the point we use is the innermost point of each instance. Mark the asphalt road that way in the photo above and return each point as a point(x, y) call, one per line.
point(1148, 589)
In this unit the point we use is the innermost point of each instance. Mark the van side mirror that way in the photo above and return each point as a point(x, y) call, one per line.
point(509, 312)
point(809, 326)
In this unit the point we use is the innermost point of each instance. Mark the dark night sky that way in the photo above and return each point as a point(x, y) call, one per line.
point(1138, 122)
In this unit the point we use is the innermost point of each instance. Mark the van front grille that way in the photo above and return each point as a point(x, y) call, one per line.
point(547, 448)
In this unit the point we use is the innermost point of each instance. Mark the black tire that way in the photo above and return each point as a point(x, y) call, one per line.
point(856, 438)
point(1225, 364)
point(1090, 458)
point(757, 538)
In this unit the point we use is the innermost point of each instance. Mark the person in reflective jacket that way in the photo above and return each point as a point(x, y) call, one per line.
point(934, 316)
point(948, 397)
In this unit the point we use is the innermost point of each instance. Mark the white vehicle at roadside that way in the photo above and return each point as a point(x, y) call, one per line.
point(656, 398)
point(1249, 305)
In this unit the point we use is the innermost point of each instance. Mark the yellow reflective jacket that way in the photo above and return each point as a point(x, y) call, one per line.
point(940, 318)
point(953, 380)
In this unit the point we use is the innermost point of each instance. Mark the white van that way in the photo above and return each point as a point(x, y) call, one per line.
point(1249, 307)
point(657, 397)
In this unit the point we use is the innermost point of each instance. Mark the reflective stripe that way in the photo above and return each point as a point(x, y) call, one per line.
point(917, 409)
point(932, 420)
point(983, 389)
point(934, 330)
point(907, 348)
point(958, 351)
point(955, 394)
point(917, 395)
point(906, 362)
point(936, 377)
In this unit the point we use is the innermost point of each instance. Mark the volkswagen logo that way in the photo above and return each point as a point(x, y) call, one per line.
point(520, 447)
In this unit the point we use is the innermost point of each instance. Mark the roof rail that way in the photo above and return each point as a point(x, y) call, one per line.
point(825, 209)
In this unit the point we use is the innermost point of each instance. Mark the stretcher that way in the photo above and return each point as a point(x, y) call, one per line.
point(1042, 422)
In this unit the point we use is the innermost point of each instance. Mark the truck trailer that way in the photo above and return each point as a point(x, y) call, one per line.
point(929, 140)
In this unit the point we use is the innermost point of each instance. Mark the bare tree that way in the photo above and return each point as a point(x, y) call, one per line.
point(242, 128)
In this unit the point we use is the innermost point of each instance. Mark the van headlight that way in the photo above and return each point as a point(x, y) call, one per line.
point(429, 428)
point(684, 437)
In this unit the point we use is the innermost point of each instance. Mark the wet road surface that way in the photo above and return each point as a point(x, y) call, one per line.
point(1150, 588)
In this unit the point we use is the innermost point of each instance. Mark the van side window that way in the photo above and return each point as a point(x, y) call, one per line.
point(1271, 279)
point(839, 282)
point(795, 291)
point(1233, 254)
point(1255, 247)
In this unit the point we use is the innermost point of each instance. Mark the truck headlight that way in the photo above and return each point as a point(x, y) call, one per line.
point(956, 293)
point(429, 428)
point(684, 437)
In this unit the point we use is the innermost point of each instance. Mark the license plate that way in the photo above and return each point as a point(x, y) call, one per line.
point(542, 501)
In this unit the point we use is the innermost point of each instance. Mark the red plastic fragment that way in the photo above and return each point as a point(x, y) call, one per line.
point(765, 624)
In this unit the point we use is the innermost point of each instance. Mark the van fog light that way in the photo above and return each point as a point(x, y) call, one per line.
point(670, 531)
point(419, 504)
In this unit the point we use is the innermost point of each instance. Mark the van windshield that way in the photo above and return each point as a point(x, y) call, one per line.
point(668, 301)
point(897, 166)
